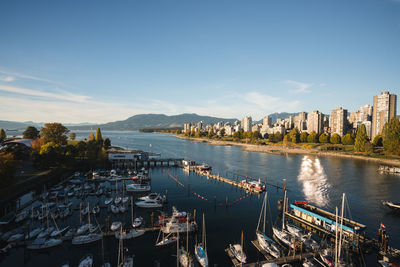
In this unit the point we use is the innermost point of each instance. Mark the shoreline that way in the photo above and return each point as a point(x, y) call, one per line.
point(282, 150)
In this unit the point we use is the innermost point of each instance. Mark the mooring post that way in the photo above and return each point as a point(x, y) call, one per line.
point(226, 202)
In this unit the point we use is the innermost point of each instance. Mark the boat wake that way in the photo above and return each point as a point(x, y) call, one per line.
point(315, 182)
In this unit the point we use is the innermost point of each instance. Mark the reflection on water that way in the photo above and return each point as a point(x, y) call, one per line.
point(314, 180)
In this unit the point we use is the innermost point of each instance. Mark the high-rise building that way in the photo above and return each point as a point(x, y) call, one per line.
point(247, 124)
point(338, 121)
point(267, 121)
point(314, 122)
point(384, 109)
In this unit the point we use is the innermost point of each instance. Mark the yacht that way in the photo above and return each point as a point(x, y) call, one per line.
point(108, 201)
point(86, 239)
point(133, 233)
point(166, 240)
point(137, 222)
point(153, 196)
point(138, 187)
point(115, 226)
point(237, 251)
point(149, 204)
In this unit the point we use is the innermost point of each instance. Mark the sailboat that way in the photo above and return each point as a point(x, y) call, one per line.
point(237, 251)
point(123, 261)
point(185, 258)
point(166, 239)
point(264, 241)
point(89, 238)
point(200, 250)
point(282, 234)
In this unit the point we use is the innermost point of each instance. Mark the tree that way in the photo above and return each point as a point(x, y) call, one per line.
point(54, 132)
point(210, 132)
point(91, 137)
point(391, 136)
point(99, 138)
point(107, 143)
point(361, 139)
point(222, 132)
point(72, 136)
point(31, 133)
point(378, 141)
point(8, 167)
point(303, 137)
point(336, 139)
point(278, 137)
point(294, 135)
point(312, 137)
point(2, 135)
point(348, 139)
point(238, 134)
point(323, 138)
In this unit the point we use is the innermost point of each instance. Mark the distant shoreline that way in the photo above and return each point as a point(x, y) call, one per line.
point(282, 150)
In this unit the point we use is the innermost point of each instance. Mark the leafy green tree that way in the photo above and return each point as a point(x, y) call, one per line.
point(99, 138)
point(303, 137)
point(91, 137)
point(81, 149)
point(210, 133)
point(378, 141)
point(294, 135)
point(348, 140)
point(336, 139)
point(3, 135)
point(72, 136)
point(54, 132)
point(238, 134)
point(278, 137)
point(222, 132)
point(323, 138)
point(312, 137)
point(8, 167)
point(391, 136)
point(361, 139)
point(30, 133)
point(107, 143)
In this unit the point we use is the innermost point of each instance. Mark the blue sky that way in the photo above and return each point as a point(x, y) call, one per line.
point(100, 61)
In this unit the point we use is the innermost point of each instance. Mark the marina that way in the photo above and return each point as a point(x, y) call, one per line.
point(190, 192)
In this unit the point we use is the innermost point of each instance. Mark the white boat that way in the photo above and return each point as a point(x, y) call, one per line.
point(46, 232)
point(137, 222)
point(125, 199)
point(264, 241)
point(115, 226)
point(306, 238)
point(117, 200)
point(153, 196)
point(85, 210)
point(166, 240)
point(150, 203)
point(86, 239)
point(177, 223)
point(133, 233)
point(138, 187)
point(21, 216)
point(237, 251)
point(86, 261)
point(281, 234)
point(122, 208)
point(114, 209)
point(185, 259)
point(108, 201)
point(33, 233)
point(200, 249)
point(41, 243)
point(59, 232)
point(96, 209)
point(84, 228)
point(15, 237)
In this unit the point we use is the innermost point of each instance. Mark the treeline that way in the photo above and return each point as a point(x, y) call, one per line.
point(52, 147)
point(173, 130)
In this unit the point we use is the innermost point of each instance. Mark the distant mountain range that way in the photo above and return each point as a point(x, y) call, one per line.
point(140, 121)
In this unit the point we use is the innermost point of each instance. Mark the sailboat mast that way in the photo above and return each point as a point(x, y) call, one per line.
point(336, 236)
point(341, 227)
point(132, 210)
point(241, 250)
point(88, 215)
point(177, 251)
point(283, 212)
point(265, 210)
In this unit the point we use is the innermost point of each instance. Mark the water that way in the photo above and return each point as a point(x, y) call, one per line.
point(319, 180)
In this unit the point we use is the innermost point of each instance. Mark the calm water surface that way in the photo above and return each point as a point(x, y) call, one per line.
point(319, 180)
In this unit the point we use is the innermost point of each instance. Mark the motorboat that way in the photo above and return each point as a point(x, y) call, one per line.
point(150, 203)
point(125, 199)
point(133, 233)
point(166, 240)
point(117, 200)
point(41, 243)
point(177, 223)
point(86, 261)
point(84, 228)
point(122, 208)
point(153, 196)
point(306, 238)
point(86, 239)
point(21, 216)
point(15, 237)
point(96, 209)
point(138, 187)
point(237, 251)
point(59, 232)
point(137, 222)
point(115, 226)
point(46, 232)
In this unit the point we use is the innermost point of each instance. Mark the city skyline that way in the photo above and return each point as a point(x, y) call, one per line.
point(99, 63)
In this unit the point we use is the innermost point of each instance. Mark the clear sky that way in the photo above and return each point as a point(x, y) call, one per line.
point(100, 61)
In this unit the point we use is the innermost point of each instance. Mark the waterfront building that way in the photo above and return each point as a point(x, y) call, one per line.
point(255, 128)
point(247, 123)
point(200, 125)
point(338, 121)
point(267, 121)
point(384, 109)
point(314, 122)
point(229, 130)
